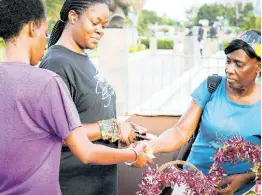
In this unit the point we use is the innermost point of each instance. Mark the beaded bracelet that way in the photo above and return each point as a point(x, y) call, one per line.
point(109, 130)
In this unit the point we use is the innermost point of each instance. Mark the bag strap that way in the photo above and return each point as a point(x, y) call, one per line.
point(213, 82)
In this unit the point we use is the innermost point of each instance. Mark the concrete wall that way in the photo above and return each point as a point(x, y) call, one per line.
point(113, 63)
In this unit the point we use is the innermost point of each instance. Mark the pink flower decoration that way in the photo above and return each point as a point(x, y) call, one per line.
point(197, 183)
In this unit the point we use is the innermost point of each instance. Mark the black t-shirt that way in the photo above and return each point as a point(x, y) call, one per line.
point(95, 100)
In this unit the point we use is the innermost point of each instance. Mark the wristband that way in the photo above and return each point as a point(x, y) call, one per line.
point(109, 130)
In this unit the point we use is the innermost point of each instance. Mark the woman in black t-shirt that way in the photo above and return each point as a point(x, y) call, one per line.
point(81, 27)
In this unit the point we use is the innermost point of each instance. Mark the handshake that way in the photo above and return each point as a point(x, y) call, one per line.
point(144, 154)
point(139, 142)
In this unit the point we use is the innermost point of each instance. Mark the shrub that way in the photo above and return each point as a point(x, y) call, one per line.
point(136, 48)
point(165, 44)
point(145, 42)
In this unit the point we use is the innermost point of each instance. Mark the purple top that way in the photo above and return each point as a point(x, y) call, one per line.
point(36, 114)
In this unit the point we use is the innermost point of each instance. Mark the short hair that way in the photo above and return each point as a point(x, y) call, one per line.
point(240, 44)
point(14, 14)
point(79, 6)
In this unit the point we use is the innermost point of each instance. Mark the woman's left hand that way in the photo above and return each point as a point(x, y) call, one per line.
point(127, 134)
point(233, 183)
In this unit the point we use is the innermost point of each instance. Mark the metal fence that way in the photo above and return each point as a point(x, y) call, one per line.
point(161, 83)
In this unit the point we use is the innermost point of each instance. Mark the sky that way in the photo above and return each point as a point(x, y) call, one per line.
point(175, 8)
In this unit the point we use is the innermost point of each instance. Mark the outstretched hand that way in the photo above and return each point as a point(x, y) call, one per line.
point(144, 157)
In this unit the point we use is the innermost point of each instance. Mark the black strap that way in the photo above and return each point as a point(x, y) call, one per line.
point(212, 82)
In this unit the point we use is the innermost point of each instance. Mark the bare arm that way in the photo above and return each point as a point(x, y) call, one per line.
point(127, 135)
point(175, 137)
point(88, 152)
point(92, 131)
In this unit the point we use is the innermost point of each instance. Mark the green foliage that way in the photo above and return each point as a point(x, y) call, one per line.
point(1, 43)
point(225, 44)
point(165, 30)
point(165, 20)
point(246, 20)
point(136, 48)
point(211, 11)
point(53, 11)
point(161, 44)
point(191, 16)
point(147, 18)
point(145, 42)
point(165, 44)
point(1, 49)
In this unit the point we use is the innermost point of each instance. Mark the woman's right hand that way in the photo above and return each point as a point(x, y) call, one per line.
point(142, 159)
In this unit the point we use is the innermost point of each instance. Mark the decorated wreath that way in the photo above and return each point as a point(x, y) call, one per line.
point(235, 149)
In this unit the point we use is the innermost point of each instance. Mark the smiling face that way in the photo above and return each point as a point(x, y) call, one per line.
point(241, 70)
point(88, 27)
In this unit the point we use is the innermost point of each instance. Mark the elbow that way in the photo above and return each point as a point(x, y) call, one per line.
point(84, 160)
point(183, 136)
point(89, 157)
point(86, 156)
point(184, 141)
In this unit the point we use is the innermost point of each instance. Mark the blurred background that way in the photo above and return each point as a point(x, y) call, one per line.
point(153, 58)
point(156, 52)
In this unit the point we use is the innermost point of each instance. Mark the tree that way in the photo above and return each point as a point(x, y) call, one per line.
point(191, 15)
point(145, 18)
point(150, 17)
point(165, 20)
point(211, 11)
point(53, 8)
point(237, 14)
point(247, 18)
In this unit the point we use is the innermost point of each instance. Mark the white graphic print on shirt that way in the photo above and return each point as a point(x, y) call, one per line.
point(103, 89)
